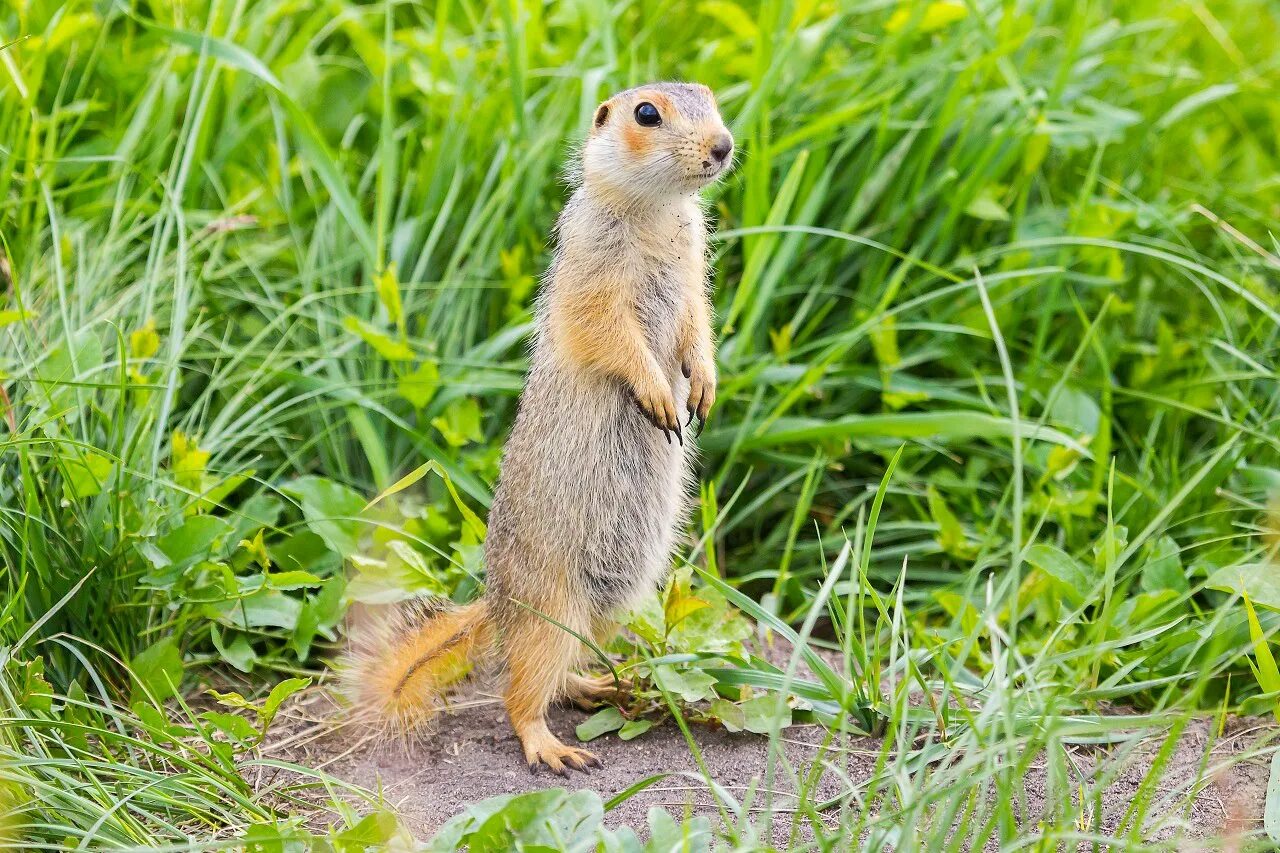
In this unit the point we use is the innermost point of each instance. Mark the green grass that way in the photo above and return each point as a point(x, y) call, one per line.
point(262, 260)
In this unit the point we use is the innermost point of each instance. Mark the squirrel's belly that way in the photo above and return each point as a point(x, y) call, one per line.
point(593, 482)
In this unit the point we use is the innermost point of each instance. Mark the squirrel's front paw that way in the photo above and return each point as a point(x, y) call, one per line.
point(659, 407)
point(702, 389)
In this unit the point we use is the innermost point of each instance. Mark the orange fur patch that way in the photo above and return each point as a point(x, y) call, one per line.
point(539, 656)
point(635, 139)
point(597, 331)
point(659, 100)
point(639, 140)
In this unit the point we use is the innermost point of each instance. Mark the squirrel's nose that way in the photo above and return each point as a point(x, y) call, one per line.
point(722, 148)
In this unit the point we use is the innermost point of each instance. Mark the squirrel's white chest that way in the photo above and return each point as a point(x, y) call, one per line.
point(676, 237)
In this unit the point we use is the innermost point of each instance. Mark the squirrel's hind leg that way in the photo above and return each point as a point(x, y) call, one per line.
point(589, 691)
point(540, 655)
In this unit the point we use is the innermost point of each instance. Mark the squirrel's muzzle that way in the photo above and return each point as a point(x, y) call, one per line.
point(722, 147)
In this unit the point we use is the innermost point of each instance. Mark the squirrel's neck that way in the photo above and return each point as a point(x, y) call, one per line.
point(642, 210)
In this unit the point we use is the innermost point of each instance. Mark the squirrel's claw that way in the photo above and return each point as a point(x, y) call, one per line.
point(702, 395)
point(560, 758)
point(661, 415)
point(698, 410)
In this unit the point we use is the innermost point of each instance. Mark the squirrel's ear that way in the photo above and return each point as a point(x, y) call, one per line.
point(602, 115)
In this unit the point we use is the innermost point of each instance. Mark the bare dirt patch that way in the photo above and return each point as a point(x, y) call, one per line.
point(472, 754)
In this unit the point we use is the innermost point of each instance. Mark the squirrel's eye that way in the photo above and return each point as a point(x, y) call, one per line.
point(647, 115)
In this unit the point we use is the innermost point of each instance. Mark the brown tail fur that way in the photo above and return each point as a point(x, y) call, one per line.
point(400, 663)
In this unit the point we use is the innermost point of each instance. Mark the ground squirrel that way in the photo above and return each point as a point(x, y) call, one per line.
point(594, 477)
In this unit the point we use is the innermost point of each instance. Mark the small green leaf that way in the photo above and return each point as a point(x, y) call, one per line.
point(389, 292)
point(280, 837)
point(420, 386)
point(1265, 668)
point(304, 550)
point(691, 686)
point(1163, 569)
point(1062, 567)
point(667, 835)
point(278, 694)
point(196, 539)
point(1259, 581)
point(304, 632)
point(266, 608)
point(537, 822)
point(951, 537)
point(460, 422)
point(405, 482)
point(239, 652)
point(731, 716)
point(646, 619)
point(257, 550)
point(718, 628)
point(986, 206)
point(233, 699)
point(13, 315)
point(157, 671)
point(372, 832)
point(34, 693)
point(602, 722)
point(1078, 410)
point(331, 510)
point(761, 713)
point(292, 580)
point(634, 728)
point(382, 343)
point(329, 604)
point(144, 342)
point(680, 601)
point(476, 526)
point(235, 727)
point(188, 462)
point(85, 475)
point(259, 511)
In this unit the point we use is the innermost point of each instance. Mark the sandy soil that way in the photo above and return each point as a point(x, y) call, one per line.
point(472, 754)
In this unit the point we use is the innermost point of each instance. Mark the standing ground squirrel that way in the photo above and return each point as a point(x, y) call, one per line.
point(594, 476)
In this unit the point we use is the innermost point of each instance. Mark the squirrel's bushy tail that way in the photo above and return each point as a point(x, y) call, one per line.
point(402, 661)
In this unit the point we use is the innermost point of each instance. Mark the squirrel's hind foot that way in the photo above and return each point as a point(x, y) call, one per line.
point(543, 749)
point(590, 692)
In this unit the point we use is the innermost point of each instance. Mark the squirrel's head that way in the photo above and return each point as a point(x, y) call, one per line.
point(657, 141)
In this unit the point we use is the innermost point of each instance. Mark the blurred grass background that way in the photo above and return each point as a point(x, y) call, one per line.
point(262, 259)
